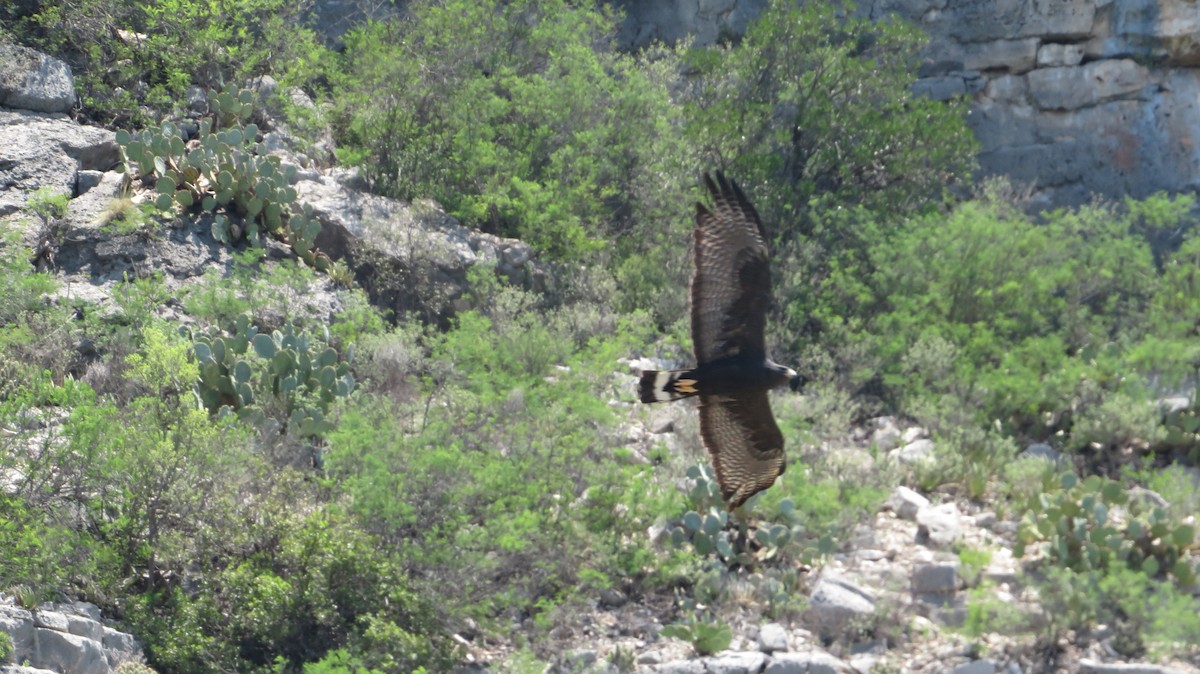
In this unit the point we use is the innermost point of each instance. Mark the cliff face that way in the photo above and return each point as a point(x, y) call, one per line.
point(1072, 97)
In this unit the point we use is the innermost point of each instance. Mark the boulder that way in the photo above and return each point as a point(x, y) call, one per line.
point(750, 662)
point(68, 653)
point(1089, 666)
point(42, 150)
point(936, 578)
point(813, 662)
point(772, 638)
point(939, 526)
point(916, 451)
point(120, 646)
point(974, 667)
point(906, 503)
point(410, 257)
point(835, 604)
point(34, 81)
point(18, 623)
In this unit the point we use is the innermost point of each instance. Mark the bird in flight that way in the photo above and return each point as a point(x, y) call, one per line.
point(731, 289)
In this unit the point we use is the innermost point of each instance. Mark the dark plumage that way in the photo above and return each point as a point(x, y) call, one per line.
point(731, 289)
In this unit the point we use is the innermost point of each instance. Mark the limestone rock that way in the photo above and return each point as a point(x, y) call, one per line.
point(682, 667)
point(750, 662)
point(1053, 55)
point(886, 434)
point(915, 451)
point(1090, 84)
point(34, 81)
point(815, 662)
point(835, 604)
point(1088, 666)
point(18, 623)
point(42, 150)
point(975, 667)
point(939, 526)
point(425, 252)
point(1013, 56)
point(906, 503)
point(51, 620)
point(772, 638)
point(1040, 450)
point(68, 653)
point(941, 88)
point(936, 578)
point(119, 646)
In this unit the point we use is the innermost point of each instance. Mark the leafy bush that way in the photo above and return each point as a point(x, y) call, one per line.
point(514, 115)
point(134, 60)
point(813, 107)
point(484, 457)
point(705, 637)
point(1144, 614)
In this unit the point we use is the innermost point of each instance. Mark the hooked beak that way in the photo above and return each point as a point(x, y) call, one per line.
point(795, 381)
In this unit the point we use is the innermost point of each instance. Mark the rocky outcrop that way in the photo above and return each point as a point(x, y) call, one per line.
point(64, 638)
point(39, 149)
point(411, 258)
point(34, 81)
point(1071, 97)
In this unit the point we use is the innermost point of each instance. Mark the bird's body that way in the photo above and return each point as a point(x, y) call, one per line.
point(730, 293)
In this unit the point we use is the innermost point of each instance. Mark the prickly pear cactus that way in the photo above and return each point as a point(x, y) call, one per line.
point(287, 372)
point(223, 172)
point(1093, 524)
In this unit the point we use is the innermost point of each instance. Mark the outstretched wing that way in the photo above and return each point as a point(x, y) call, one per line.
point(739, 432)
point(731, 286)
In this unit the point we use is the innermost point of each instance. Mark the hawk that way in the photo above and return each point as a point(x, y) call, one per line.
point(731, 288)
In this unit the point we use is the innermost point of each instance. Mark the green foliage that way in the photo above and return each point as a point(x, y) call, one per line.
point(479, 456)
point(1093, 525)
point(514, 115)
point(1145, 613)
point(249, 193)
point(131, 667)
point(705, 637)
point(987, 613)
point(981, 302)
point(134, 60)
point(21, 291)
point(972, 562)
point(6, 647)
point(814, 104)
point(315, 585)
point(48, 203)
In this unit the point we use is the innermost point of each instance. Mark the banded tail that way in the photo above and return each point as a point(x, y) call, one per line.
point(660, 386)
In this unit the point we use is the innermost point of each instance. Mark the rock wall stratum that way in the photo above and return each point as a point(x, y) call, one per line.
point(1070, 97)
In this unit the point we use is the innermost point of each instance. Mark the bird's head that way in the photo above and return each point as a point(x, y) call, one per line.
point(794, 380)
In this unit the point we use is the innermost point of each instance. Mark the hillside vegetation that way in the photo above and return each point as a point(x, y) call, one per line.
point(259, 489)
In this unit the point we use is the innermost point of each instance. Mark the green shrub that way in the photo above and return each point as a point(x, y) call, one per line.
point(133, 60)
point(814, 104)
point(485, 463)
point(516, 116)
point(705, 637)
point(1145, 614)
